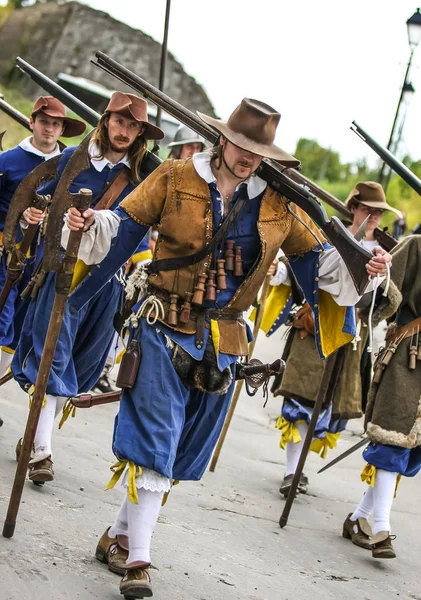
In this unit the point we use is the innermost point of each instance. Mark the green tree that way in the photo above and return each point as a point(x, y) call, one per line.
point(318, 163)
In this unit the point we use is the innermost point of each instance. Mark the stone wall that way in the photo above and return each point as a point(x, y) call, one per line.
point(64, 38)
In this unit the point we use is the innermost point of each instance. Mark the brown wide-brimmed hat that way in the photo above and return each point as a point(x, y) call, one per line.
point(54, 108)
point(252, 126)
point(136, 108)
point(370, 193)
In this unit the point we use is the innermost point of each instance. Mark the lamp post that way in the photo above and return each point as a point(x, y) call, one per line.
point(414, 36)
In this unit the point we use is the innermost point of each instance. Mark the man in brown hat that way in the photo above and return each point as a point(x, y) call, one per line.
point(300, 382)
point(116, 150)
point(188, 320)
point(48, 122)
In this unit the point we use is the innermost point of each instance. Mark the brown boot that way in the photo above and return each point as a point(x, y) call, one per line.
point(41, 471)
point(360, 538)
point(136, 582)
point(111, 552)
point(381, 545)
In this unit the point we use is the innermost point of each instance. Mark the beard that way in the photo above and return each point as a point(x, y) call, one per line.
point(119, 149)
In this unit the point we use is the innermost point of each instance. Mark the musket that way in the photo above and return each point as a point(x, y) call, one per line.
point(77, 106)
point(19, 117)
point(385, 239)
point(355, 257)
point(82, 201)
point(396, 165)
point(150, 161)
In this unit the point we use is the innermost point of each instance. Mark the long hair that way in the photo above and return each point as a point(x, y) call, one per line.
point(135, 153)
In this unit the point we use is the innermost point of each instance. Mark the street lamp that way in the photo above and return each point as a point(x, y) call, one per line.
point(413, 25)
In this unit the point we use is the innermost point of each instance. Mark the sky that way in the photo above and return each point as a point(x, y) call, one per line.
point(322, 64)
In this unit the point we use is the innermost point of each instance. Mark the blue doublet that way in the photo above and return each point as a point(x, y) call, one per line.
point(15, 165)
point(85, 338)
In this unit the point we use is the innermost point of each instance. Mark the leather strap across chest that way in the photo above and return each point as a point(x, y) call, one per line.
point(111, 192)
point(172, 264)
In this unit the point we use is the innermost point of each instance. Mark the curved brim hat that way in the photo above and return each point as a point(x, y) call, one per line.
point(370, 193)
point(252, 126)
point(136, 108)
point(56, 109)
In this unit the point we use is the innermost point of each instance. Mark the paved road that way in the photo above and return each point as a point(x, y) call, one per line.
point(217, 539)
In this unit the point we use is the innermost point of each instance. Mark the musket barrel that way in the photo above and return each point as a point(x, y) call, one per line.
point(14, 114)
point(77, 106)
point(396, 165)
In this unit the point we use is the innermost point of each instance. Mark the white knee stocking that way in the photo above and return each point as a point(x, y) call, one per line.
point(142, 519)
point(365, 507)
point(42, 442)
point(121, 524)
point(294, 450)
point(5, 362)
point(383, 493)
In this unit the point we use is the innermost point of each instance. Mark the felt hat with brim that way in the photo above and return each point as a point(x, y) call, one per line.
point(371, 194)
point(136, 108)
point(252, 127)
point(56, 109)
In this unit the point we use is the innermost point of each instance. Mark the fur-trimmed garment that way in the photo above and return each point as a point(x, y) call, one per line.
point(394, 408)
point(349, 385)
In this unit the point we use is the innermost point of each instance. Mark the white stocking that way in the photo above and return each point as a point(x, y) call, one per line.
point(294, 450)
point(142, 518)
point(365, 507)
point(42, 442)
point(121, 524)
point(384, 491)
point(5, 362)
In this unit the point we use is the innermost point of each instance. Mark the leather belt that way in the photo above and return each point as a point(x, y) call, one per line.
point(407, 331)
point(202, 315)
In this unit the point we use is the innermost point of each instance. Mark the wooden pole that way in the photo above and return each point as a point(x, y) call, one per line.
point(64, 278)
point(321, 396)
point(239, 386)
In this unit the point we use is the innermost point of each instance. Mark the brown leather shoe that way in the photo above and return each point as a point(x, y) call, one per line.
point(136, 582)
point(111, 552)
point(360, 538)
point(381, 545)
point(41, 471)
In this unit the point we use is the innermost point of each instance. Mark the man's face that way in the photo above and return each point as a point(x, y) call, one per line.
point(187, 150)
point(45, 130)
point(241, 162)
point(361, 212)
point(122, 132)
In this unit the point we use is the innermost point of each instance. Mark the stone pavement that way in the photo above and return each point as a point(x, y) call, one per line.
point(217, 539)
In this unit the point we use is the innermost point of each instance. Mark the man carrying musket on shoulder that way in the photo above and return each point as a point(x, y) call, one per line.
point(48, 122)
point(189, 319)
point(114, 156)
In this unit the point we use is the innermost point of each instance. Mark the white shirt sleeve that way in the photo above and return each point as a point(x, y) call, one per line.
point(335, 279)
point(281, 276)
point(96, 242)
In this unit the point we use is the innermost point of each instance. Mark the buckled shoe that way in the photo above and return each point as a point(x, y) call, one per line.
point(381, 545)
point(358, 532)
point(136, 582)
point(112, 552)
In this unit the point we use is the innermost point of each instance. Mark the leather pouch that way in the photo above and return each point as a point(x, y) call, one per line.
point(129, 366)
